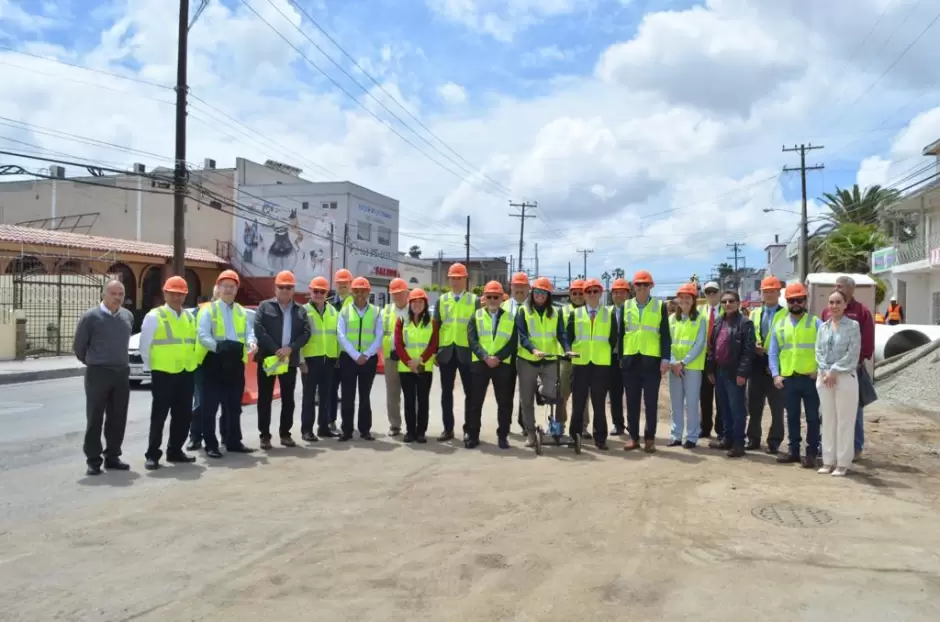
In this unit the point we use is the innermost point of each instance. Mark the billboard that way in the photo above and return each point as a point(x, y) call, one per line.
point(883, 259)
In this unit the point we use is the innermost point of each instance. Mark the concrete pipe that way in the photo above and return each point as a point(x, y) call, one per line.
point(891, 341)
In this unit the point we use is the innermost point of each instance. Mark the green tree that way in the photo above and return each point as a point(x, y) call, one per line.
point(618, 273)
point(414, 252)
point(866, 207)
point(846, 248)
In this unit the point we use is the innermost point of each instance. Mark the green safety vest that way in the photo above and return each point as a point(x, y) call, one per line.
point(492, 344)
point(543, 332)
point(323, 341)
point(642, 336)
point(173, 349)
point(275, 366)
point(348, 300)
point(797, 346)
point(764, 340)
point(684, 333)
point(454, 318)
point(360, 331)
point(389, 317)
point(416, 340)
point(239, 317)
point(592, 339)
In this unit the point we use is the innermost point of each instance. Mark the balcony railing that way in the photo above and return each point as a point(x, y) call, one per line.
point(917, 249)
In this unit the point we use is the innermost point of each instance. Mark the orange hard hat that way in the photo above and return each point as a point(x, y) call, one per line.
point(577, 284)
point(397, 286)
point(795, 290)
point(418, 294)
point(177, 285)
point(493, 287)
point(589, 283)
point(457, 271)
point(620, 285)
point(542, 283)
point(520, 278)
point(689, 289)
point(342, 276)
point(361, 282)
point(230, 275)
point(642, 276)
point(770, 282)
point(285, 277)
point(320, 282)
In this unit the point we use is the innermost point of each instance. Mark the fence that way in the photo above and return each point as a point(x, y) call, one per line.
point(52, 305)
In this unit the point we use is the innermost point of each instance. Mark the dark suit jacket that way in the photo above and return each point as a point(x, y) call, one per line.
point(742, 346)
point(269, 324)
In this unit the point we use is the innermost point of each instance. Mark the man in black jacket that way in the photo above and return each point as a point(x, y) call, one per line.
point(282, 328)
point(729, 364)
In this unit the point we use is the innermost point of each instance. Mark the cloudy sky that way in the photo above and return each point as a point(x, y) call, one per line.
point(647, 130)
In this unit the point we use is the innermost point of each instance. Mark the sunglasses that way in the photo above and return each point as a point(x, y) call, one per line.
point(709, 292)
point(318, 291)
point(283, 287)
point(728, 302)
point(642, 285)
point(576, 293)
point(492, 297)
point(591, 292)
point(798, 301)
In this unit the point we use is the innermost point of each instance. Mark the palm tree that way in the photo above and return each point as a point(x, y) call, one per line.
point(618, 273)
point(863, 208)
point(847, 248)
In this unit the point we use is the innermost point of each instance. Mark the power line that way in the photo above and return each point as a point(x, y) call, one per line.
point(82, 67)
point(522, 218)
point(736, 247)
point(585, 252)
point(804, 222)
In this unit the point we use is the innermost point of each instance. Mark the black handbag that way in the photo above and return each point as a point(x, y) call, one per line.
point(866, 388)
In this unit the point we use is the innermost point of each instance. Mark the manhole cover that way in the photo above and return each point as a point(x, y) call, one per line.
point(789, 515)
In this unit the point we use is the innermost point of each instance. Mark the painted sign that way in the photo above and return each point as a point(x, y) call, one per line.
point(883, 259)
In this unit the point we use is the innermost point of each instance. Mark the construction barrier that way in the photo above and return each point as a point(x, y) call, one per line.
point(250, 394)
point(381, 367)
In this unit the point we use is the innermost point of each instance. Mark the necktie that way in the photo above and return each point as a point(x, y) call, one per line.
point(593, 312)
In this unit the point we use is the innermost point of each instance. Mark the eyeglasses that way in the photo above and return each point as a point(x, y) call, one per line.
point(798, 301)
point(543, 292)
point(318, 291)
point(591, 292)
point(709, 292)
point(576, 293)
point(492, 297)
point(728, 302)
point(283, 287)
point(642, 285)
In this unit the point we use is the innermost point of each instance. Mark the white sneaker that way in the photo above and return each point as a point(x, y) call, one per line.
point(840, 472)
point(825, 470)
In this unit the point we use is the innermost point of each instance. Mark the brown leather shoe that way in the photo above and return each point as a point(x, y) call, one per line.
point(649, 445)
point(630, 445)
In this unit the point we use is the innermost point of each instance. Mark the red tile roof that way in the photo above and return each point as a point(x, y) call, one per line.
point(43, 237)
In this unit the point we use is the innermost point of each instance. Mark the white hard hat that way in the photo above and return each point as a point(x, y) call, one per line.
point(711, 285)
point(894, 299)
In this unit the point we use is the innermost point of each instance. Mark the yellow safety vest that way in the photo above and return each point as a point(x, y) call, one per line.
point(797, 346)
point(642, 336)
point(360, 331)
point(389, 317)
point(684, 333)
point(454, 318)
point(543, 332)
point(240, 319)
point(173, 349)
point(275, 366)
point(416, 340)
point(492, 344)
point(348, 300)
point(323, 341)
point(755, 317)
point(592, 339)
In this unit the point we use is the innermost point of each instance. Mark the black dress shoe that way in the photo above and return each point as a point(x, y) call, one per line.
point(213, 453)
point(240, 449)
point(266, 444)
point(772, 450)
point(409, 438)
point(503, 442)
point(180, 458)
point(116, 464)
point(719, 444)
point(736, 452)
point(446, 436)
point(587, 436)
point(366, 436)
point(93, 470)
point(287, 441)
point(326, 433)
point(787, 459)
point(809, 462)
point(421, 439)
point(194, 446)
point(151, 464)
point(471, 443)
point(688, 445)
point(602, 446)
point(342, 438)
point(673, 443)
point(751, 445)
point(309, 437)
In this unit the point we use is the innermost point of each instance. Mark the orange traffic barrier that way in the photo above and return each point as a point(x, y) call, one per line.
point(250, 394)
point(381, 366)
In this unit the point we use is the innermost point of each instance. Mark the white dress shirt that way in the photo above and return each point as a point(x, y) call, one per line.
point(205, 331)
point(148, 329)
point(344, 341)
point(288, 321)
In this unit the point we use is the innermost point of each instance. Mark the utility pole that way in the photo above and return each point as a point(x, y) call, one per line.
point(332, 254)
point(536, 259)
point(585, 252)
point(345, 241)
point(804, 223)
point(179, 172)
point(440, 262)
point(736, 247)
point(468, 242)
point(522, 216)
point(569, 275)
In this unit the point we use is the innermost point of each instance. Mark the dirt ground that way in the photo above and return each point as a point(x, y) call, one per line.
point(387, 532)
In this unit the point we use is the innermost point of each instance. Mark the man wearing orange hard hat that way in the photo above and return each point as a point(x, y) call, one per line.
point(395, 310)
point(360, 338)
point(282, 329)
point(519, 289)
point(168, 349)
point(342, 298)
point(576, 300)
point(225, 341)
point(760, 386)
point(792, 359)
point(619, 294)
point(453, 313)
point(320, 355)
point(647, 344)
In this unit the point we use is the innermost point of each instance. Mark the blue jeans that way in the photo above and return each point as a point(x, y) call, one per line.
point(801, 391)
point(731, 400)
point(859, 430)
point(684, 395)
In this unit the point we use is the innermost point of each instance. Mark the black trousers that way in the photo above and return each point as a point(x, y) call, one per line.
point(334, 394)
point(318, 383)
point(222, 388)
point(616, 391)
point(642, 382)
point(416, 392)
point(449, 372)
point(107, 392)
point(711, 409)
point(589, 381)
point(288, 383)
point(760, 389)
point(195, 424)
point(354, 376)
point(172, 394)
point(503, 378)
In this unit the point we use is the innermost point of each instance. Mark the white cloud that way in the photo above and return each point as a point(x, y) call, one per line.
point(503, 19)
point(453, 93)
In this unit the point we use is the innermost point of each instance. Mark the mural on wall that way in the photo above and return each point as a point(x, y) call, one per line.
point(289, 233)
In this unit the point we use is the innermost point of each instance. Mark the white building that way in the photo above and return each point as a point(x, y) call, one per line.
point(779, 262)
point(912, 268)
point(415, 271)
point(312, 228)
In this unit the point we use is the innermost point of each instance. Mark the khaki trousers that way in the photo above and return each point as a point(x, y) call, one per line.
point(393, 394)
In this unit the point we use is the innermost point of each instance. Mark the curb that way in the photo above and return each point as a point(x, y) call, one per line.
point(18, 377)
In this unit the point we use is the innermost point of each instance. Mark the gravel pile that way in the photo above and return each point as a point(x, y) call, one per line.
point(913, 379)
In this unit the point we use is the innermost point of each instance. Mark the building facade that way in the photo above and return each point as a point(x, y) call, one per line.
point(480, 270)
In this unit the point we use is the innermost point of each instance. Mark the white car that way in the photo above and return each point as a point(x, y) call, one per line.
point(138, 375)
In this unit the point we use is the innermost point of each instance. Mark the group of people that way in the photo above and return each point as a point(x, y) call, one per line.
point(519, 342)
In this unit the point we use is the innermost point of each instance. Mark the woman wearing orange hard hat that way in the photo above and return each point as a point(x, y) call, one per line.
point(576, 300)
point(415, 342)
point(687, 366)
point(320, 355)
point(452, 314)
